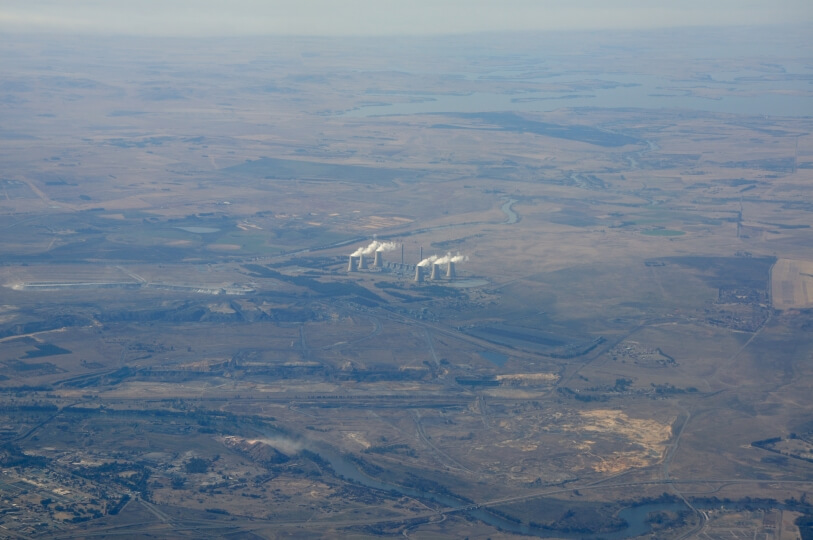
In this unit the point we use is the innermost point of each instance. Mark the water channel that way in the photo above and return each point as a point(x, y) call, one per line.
point(511, 217)
point(343, 466)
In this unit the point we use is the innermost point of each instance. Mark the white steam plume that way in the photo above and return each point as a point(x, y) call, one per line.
point(459, 258)
point(387, 246)
point(451, 258)
point(374, 246)
point(427, 261)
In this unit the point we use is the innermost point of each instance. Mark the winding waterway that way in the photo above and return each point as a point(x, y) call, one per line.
point(511, 217)
point(635, 517)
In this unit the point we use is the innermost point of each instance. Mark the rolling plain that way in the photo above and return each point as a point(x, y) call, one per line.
point(188, 351)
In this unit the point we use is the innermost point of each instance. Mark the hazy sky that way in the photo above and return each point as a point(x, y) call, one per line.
point(384, 17)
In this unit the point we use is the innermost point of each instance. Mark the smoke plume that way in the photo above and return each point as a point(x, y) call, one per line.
point(429, 260)
point(284, 445)
point(444, 260)
point(374, 246)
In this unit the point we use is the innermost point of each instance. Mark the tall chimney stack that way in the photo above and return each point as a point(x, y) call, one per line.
point(362, 263)
point(350, 266)
point(435, 275)
point(419, 274)
point(450, 272)
point(378, 260)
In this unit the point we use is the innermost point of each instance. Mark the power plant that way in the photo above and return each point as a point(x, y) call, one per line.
point(359, 259)
point(435, 261)
point(429, 268)
point(419, 274)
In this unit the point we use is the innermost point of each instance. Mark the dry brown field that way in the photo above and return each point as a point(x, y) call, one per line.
point(184, 353)
point(791, 285)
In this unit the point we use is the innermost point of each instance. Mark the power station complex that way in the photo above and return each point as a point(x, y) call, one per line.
point(434, 268)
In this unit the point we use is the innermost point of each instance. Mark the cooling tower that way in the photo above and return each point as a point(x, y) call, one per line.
point(419, 274)
point(350, 266)
point(435, 272)
point(362, 263)
point(450, 273)
point(378, 261)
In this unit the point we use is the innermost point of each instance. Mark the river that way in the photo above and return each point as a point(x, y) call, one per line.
point(635, 517)
point(511, 217)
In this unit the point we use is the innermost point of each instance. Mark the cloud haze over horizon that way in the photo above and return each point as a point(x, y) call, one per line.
point(384, 17)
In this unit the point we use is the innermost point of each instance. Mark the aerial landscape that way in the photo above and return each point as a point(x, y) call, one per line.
point(505, 285)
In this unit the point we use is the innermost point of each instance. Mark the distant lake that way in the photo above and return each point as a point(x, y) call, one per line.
point(750, 93)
